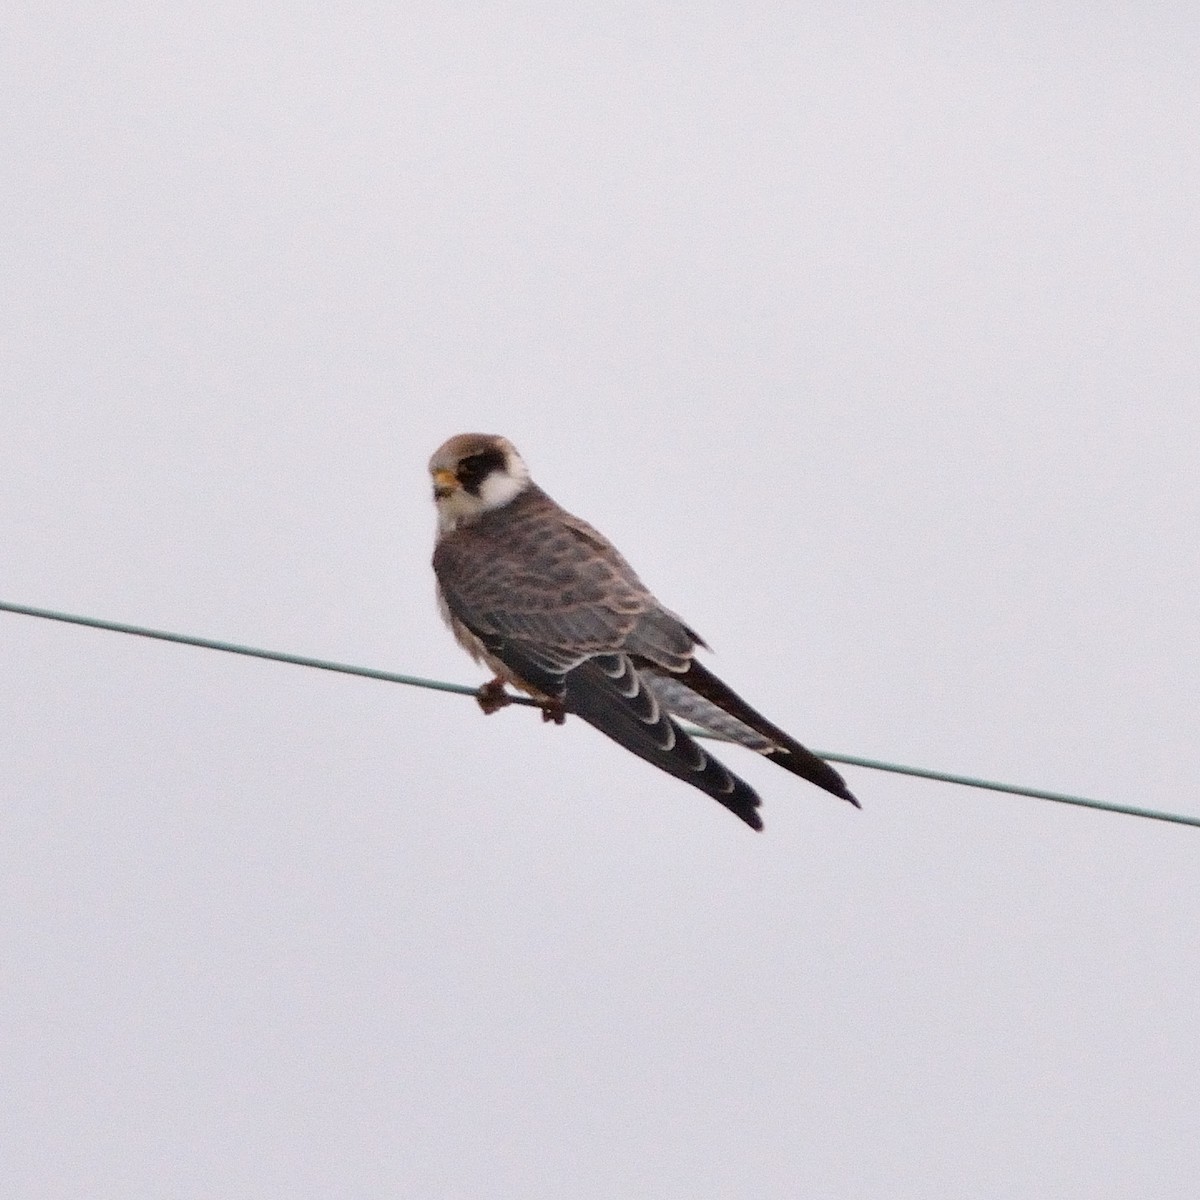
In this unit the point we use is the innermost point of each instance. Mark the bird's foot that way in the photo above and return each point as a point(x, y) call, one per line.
point(492, 697)
point(553, 710)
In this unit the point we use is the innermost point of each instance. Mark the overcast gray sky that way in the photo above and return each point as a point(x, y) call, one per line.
point(871, 337)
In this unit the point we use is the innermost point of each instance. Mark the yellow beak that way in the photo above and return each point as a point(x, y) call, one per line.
point(445, 482)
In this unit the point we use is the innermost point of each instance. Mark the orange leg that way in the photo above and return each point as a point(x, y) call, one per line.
point(492, 697)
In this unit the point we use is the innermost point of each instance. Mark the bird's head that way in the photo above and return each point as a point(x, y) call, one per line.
point(474, 473)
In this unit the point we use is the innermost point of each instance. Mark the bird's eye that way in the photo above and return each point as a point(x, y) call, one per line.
point(475, 468)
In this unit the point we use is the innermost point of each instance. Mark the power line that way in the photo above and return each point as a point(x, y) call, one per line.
point(299, 660)
point(322, 664)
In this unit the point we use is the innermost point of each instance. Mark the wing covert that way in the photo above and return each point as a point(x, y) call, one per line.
point(533, 577)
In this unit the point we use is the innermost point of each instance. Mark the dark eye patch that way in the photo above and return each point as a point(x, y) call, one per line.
point(475, 468)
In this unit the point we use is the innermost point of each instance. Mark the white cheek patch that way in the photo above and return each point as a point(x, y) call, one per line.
point(500, 488)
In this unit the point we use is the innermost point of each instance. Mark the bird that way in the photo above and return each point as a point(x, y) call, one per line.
point(551, 607)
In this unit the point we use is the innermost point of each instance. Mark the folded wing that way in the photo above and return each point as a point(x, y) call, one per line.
point(609, 694)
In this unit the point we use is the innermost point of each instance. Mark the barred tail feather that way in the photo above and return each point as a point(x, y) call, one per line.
point(780, 747)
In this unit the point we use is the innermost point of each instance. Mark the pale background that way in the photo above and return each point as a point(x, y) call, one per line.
point(870, 336)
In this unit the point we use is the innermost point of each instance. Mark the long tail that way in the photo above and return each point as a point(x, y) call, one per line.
point(698, 695)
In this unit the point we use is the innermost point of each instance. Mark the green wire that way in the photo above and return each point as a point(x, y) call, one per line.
point(322, 664)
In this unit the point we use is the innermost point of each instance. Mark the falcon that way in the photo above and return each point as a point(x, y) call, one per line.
point(549, 605)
